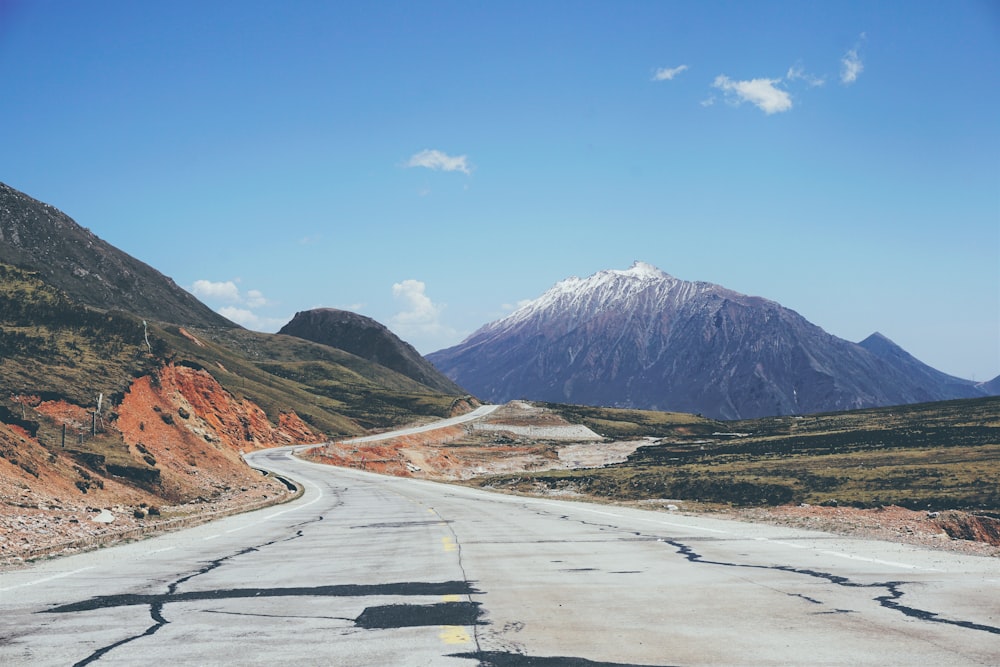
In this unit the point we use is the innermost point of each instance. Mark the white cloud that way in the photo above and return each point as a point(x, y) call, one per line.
point(223, 291)
point(798, 73)
point(668, 73)
point(252, 320)
point(420, 310)
point(238, 307)
point(238, 315)
point(255, 299)
point(419, 323)
point(762, 93)
point(438, 161)
point(850, 67)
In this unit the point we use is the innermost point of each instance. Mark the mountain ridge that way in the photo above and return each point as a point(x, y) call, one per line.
point(641, 338)
point(37, 236)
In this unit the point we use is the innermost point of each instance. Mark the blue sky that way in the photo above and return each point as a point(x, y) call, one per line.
point(432, 164)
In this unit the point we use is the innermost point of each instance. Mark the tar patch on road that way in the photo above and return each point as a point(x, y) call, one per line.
point(412, 615)
point(402, 524)
point(502, 659)
point(345, 590)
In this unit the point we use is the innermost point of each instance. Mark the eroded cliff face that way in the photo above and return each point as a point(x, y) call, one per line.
point(174, 440)
point(196, 430)
point(204, 408)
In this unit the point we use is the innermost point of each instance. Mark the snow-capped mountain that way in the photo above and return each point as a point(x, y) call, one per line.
point(641, 338)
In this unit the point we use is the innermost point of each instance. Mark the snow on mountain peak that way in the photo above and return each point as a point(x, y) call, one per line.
point(641, 269)
point(608, 289)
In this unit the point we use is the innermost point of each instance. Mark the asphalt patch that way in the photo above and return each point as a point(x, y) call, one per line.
point(502, 659)
point(413, 615)
point(344, 590)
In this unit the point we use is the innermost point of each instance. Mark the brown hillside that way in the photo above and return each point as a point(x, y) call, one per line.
point(170, 449)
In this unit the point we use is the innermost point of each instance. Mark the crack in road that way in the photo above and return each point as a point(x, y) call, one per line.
point(890, 600)
point(156, 602)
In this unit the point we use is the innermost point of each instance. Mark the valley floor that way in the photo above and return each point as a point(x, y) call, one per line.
point(516, 438)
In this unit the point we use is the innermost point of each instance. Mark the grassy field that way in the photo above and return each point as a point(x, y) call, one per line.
point(929, 456)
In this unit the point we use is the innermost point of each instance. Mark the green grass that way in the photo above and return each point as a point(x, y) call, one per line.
point(930, 456)
point(619, 423)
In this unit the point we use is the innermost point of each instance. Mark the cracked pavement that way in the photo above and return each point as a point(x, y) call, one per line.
point(368, 570)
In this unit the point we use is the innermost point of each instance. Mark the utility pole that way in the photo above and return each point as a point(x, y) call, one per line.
point(93, 426)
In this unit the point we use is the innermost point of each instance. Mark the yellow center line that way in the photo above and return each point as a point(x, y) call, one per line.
point(454, 634)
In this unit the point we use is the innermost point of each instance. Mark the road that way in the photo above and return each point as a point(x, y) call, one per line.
point(372, 570)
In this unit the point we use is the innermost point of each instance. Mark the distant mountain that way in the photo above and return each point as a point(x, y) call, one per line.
point(641, 338)
point(368, 339)
point(908, 365)
point(992, 387)
point(36, 236)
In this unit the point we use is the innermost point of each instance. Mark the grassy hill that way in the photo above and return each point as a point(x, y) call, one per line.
point(53, 346)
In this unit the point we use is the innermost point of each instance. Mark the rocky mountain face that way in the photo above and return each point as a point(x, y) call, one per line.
point(36, 236)
point(641, 338)
point(368, 339)
point(992, 387)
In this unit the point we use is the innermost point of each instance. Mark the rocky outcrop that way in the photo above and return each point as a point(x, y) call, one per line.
point(184, 420)
point(175, 438)
point(975, 527)
point(368, 339)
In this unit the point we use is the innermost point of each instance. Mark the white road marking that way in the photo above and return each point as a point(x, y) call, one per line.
point(44, 579)
point(656, 521)
point(877, 561)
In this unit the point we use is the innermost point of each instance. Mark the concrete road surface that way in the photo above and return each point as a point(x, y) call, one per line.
point(370, 570)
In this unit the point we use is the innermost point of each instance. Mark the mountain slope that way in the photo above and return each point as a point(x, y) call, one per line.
point(36, 236)
point(101, 408)
point(992, 387)
point(368, 339)
point(641, 338)
point(913, 368)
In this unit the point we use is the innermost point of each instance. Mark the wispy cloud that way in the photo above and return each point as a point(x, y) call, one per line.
point(798, 73)
point(762, 93)
point(851, 67)
point(668, 73)
point(255, 298)
point(439, 161)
